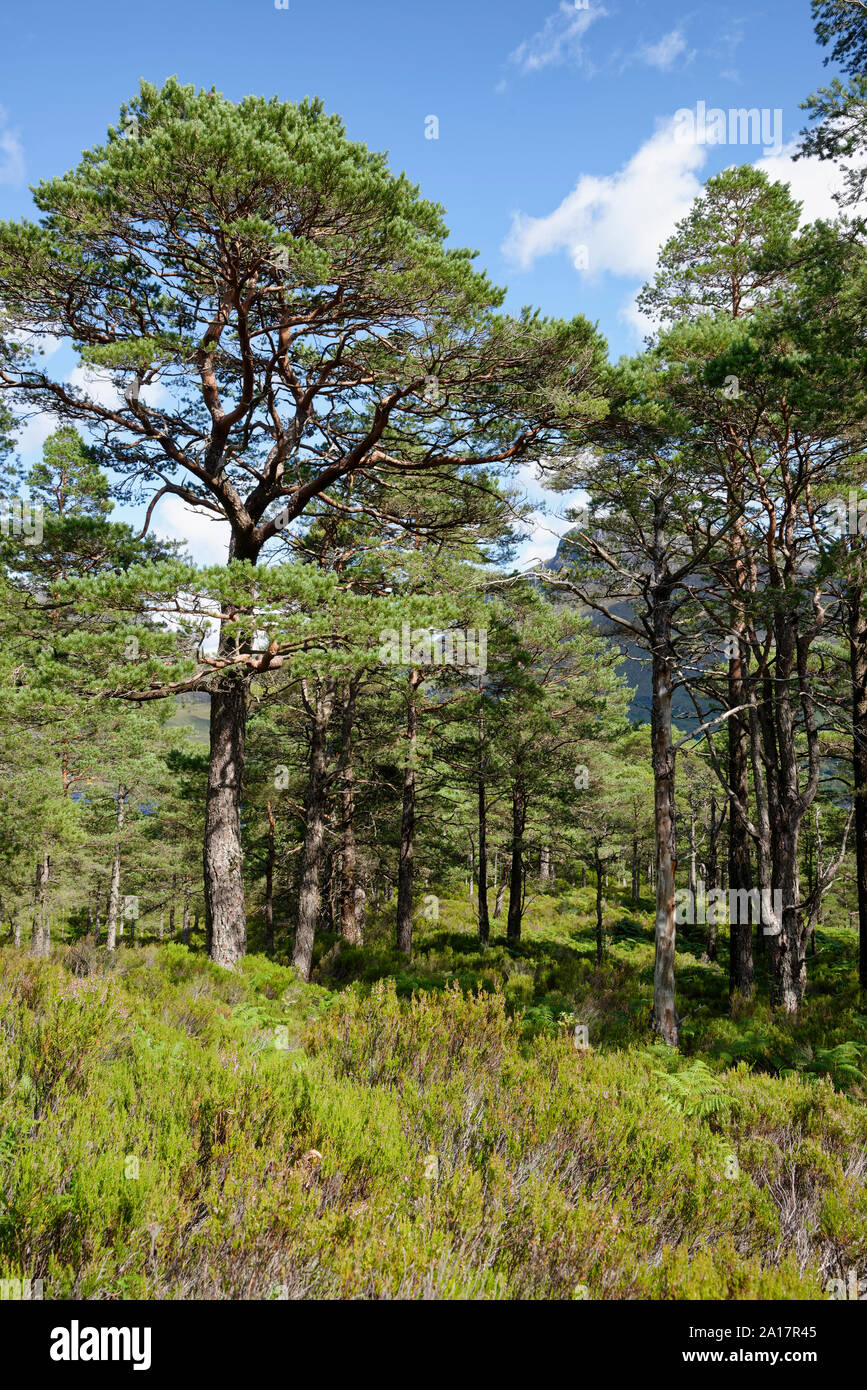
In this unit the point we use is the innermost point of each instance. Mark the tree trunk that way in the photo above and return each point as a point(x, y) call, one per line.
point(665, 1018)
point(814, 874)
point(544, 865)
point(40, 943)
point(407, 825)
point(484, 918)
point(484, 921)
point(111, 916)
point(351, 893)
point(225, 917)
point(786, 954)
point(97, 912)
point(741, 968)
point(858, 665)
point(185, 928)
point(269, 884)
point(597, 864)
point(792, 803)
point(712, 878)
point(314, 835)
point(501, 893)
point(516, 873)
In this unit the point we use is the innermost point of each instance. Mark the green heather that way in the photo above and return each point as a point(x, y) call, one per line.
point(283, 1133)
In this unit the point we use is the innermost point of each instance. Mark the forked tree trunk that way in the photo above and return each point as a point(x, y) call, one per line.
point(777, 823)
point(407, 824)
point(309, 893)
point(771, 924)
point(793, 802)
point(225, 918)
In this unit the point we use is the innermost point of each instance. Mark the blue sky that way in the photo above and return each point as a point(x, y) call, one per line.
point(558, 154)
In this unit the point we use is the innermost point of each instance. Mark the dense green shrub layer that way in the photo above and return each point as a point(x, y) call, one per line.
point(170, 1130)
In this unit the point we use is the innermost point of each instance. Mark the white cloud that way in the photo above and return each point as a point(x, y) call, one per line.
point(545, 535)
point(559, 39)
point(49, 345)
point(206, 536)
point(724, 44)
point(11, 154)
point(641, 325)
point(546, 526)
point(99, 387)
point(96, 385)
point(33, 434)
point(813, 182)
point(40, 341)
point(621, 218)
point(665, 53)
point(615, 224)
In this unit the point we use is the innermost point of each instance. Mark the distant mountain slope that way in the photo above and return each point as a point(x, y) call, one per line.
point(193, 711)
point(635, 667)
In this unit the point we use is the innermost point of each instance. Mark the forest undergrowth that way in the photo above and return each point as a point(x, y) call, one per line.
point(172, 1130)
